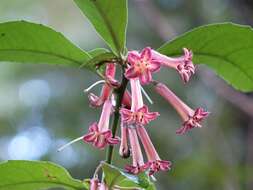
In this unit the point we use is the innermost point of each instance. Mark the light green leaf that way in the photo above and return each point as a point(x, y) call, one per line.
point(33, 175)
point(226, 48)
point(115, 177)
point(109, 17)
point(26, 42)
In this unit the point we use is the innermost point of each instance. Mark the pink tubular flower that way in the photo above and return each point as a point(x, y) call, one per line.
point(96, 101)
point(154, 163)
point(142, 65)
point(99, 134)
point(137, 101)
point(139, 114)
point(182, 64)
point(124, 149)
point(191, 118)
point(127, 99)
point(140, 117)
point(94, 183)
point(138, 163)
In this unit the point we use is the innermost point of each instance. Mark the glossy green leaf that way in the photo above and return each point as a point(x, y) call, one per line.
point(109, 17)
point(26, 42)
point(115, 177)
point(33, 175)
point(226, 48)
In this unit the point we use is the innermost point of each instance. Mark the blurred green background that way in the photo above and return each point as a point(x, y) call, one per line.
point(42, 107)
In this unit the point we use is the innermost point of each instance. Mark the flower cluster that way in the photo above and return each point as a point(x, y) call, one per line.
point(134, 115)
point(139, 71)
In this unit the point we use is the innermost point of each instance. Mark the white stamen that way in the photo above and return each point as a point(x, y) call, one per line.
point(113, 100)
point(68, 144)
point(93, 85)
point(146, 95)
point(153, 178)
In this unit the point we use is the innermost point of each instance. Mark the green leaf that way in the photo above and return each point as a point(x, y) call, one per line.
point(226, 48)
point(109, 17)
point(97, 51)
point(101, 58)
point(115, 177)
point(26, 42)
point(31, 175)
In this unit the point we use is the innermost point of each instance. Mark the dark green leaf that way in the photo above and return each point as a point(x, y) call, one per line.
point(226, 48)
point(26, 42)
point(109, 17)
point(116, 177)
point(31, 175)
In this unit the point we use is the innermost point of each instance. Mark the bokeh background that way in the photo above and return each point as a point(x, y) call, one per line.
point(42, 107)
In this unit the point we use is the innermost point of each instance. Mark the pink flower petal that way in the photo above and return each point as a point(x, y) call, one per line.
point(133, 57)
point(146, 77)
point(131, 73)
point(154, 66)
point(90, 137)
point(146, 54)
point(113, 141)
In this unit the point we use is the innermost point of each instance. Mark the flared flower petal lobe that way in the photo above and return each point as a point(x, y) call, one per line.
point(131, 73)
point(146, 77)
point(154, 163)
point(141, 117)
point(146, 54)
point(97, 101)
point(142, 65)
point(127, 116)
point(144, 116)
point(111, 81)
point(91, 135)
point(158, 165)
point(133, 57)
point(100, 139)
point(109, 138)
point(183, 64)
point(135, 169)
point(193, 121)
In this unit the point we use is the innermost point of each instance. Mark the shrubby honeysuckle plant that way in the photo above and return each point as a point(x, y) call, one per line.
point(125, 119)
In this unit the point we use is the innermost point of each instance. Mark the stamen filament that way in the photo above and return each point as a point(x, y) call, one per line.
point(93, 85)
point(69, 143)
point(146, 95)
